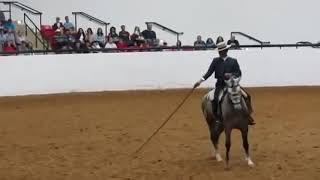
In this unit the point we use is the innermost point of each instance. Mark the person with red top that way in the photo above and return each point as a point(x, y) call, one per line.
point(135, 47)
point(122, 44)
point(9, 47)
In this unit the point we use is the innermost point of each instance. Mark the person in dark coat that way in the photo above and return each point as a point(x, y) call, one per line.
point(222, 66)
point(58, 24)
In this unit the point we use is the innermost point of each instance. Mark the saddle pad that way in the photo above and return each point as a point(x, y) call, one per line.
point(211, 95)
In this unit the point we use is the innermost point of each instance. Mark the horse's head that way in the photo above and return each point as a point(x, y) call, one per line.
point(234, 90)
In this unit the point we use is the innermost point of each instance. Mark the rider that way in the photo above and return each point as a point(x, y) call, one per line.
point(223, 66)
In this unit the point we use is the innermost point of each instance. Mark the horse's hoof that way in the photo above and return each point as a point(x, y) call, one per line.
point(251, 164)
point(219, 158)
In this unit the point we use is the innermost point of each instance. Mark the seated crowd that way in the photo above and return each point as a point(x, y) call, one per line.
point(64, 36)
point(200, 44)
point(67, 38)
point(10, 40)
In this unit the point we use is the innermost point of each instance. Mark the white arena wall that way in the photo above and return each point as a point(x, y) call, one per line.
point(45, 74)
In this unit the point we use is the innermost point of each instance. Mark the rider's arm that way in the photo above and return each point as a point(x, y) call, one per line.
point(210, 70)
point(237, 72)
point(207, 75)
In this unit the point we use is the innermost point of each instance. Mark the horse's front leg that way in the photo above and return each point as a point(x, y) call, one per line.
point(215, 134)
point(244, 134)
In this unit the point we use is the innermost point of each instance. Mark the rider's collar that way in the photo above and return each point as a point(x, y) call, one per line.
point(225, 58)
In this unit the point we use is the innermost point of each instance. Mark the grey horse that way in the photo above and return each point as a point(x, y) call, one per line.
point(234, 113)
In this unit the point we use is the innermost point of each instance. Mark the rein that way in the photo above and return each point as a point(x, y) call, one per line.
point(166, 121)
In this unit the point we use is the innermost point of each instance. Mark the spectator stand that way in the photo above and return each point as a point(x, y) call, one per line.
point(30, 26)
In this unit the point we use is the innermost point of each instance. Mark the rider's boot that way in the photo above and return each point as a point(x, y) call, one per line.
point(217, 116)
point(250, 110)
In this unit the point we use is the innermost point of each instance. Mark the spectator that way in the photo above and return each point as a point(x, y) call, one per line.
point(89, 35)
point(122, 44)
point(134, 46)
point(199, 43)
point(2, 17)
point(3, 36)
point(78, 47)
point(100, 38)
point(144, 46)
point(219, 40)
point(233, 41)
point(57, 25)
point(9, 47)
point(81, 36)
point(87, 47)
point(11, 35)
point(24, 46)
point(95, 45)
point(113, 34)
point(21, 45)
point(210, 43)
point(60, 39)
point(19, 38)
point(124, 35)
point(149, 34)
point(137, 36)
point(68, 25)
point(9, 25)
point(70, 39)
point(110, 44)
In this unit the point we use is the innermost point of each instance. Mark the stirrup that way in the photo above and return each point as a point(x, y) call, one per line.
point(218, 122)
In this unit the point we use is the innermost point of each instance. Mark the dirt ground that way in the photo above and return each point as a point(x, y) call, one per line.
point(93, 136)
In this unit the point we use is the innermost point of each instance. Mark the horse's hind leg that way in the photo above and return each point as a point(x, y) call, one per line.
point(244, 134)
point(215, 134)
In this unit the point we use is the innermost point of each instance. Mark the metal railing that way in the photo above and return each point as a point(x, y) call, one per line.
point(36, 32)
point(159, 49)
point(90, 18)
point(22, 7)
point(250, 37)
point(164, 28)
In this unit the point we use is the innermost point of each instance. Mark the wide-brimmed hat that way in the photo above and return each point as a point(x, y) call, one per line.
point(221, 46)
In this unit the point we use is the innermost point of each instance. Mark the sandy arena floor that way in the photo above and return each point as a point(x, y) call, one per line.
point(93, 135)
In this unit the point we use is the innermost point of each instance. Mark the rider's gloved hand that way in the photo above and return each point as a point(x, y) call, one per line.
point(198, 83)
point(227, 76)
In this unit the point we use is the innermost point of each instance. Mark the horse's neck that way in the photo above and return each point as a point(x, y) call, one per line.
point(228, 108)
